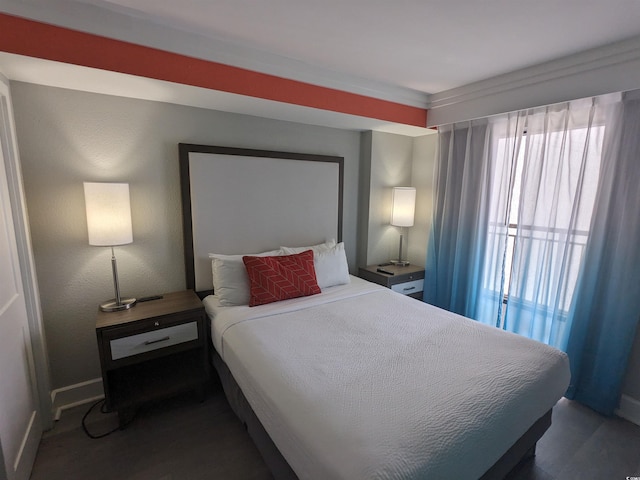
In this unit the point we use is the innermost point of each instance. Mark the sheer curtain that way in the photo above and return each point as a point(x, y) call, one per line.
point(529, 220)
point(606, 309)
point(462, 208)
point(558, 167)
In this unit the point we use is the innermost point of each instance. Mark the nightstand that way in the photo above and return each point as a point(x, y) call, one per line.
point(408, 280)
point(155, 349)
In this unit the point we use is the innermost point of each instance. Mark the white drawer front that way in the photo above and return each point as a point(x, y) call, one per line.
point(145, 342)
point(407, 288)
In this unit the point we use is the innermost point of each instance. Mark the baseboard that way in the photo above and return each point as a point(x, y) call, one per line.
point(629, 409)
point(74, 395)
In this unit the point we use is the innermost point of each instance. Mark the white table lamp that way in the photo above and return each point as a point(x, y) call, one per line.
point(403, 207)
point(109, 224)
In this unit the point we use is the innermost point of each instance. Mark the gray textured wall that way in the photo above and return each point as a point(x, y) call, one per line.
point(632, 380)
point(424, 154)
point(66, 137)
point(390, 166)
point(388, 161)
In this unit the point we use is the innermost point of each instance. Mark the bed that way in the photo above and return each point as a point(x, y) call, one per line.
point(353, 381)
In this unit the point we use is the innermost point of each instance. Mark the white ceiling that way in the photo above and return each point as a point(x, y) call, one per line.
point(424, 45)
point(401, 51)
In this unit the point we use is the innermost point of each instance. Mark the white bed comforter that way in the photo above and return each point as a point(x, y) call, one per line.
point(360, 382)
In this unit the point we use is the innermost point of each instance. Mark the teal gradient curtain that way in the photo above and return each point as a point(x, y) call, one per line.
point(534, 216)
point(463, 182)
point(606, 309)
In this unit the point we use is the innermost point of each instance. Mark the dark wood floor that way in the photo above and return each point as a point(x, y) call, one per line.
point(182, 439)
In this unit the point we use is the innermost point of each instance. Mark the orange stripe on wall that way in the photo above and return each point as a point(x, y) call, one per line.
point(35, 39)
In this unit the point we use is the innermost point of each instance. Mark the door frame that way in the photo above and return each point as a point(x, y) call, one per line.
point(25, 255)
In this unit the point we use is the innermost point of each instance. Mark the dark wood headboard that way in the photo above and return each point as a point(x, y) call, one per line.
point(238, 200)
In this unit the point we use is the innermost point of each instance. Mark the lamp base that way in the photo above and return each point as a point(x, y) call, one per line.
point(400, 263)
point(113, 306)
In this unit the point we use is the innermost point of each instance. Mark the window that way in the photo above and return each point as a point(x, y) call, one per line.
point(548, 182)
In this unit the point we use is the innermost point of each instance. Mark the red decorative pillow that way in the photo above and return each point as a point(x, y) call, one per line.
point(272, 279)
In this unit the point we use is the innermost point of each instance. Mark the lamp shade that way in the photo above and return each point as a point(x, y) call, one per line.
point(403, 206)
point(108, 213)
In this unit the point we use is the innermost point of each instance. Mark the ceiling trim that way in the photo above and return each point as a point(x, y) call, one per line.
point(21, 68)
point(607, 69)
point(35, 39)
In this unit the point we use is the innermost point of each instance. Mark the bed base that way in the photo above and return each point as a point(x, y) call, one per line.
point(276, 463)
point(522, 450)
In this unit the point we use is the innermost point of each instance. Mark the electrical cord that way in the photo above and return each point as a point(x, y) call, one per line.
point(102, 410)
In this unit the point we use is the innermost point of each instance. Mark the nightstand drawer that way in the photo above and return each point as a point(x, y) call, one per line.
point(408, 288)
point(148, 341)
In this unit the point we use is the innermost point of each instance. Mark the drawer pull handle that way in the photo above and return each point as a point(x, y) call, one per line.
point(406, 289)
point(151, 342)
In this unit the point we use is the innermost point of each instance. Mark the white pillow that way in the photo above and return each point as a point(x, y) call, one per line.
point(330, 264)
point(230, 279)
point(321, 247)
